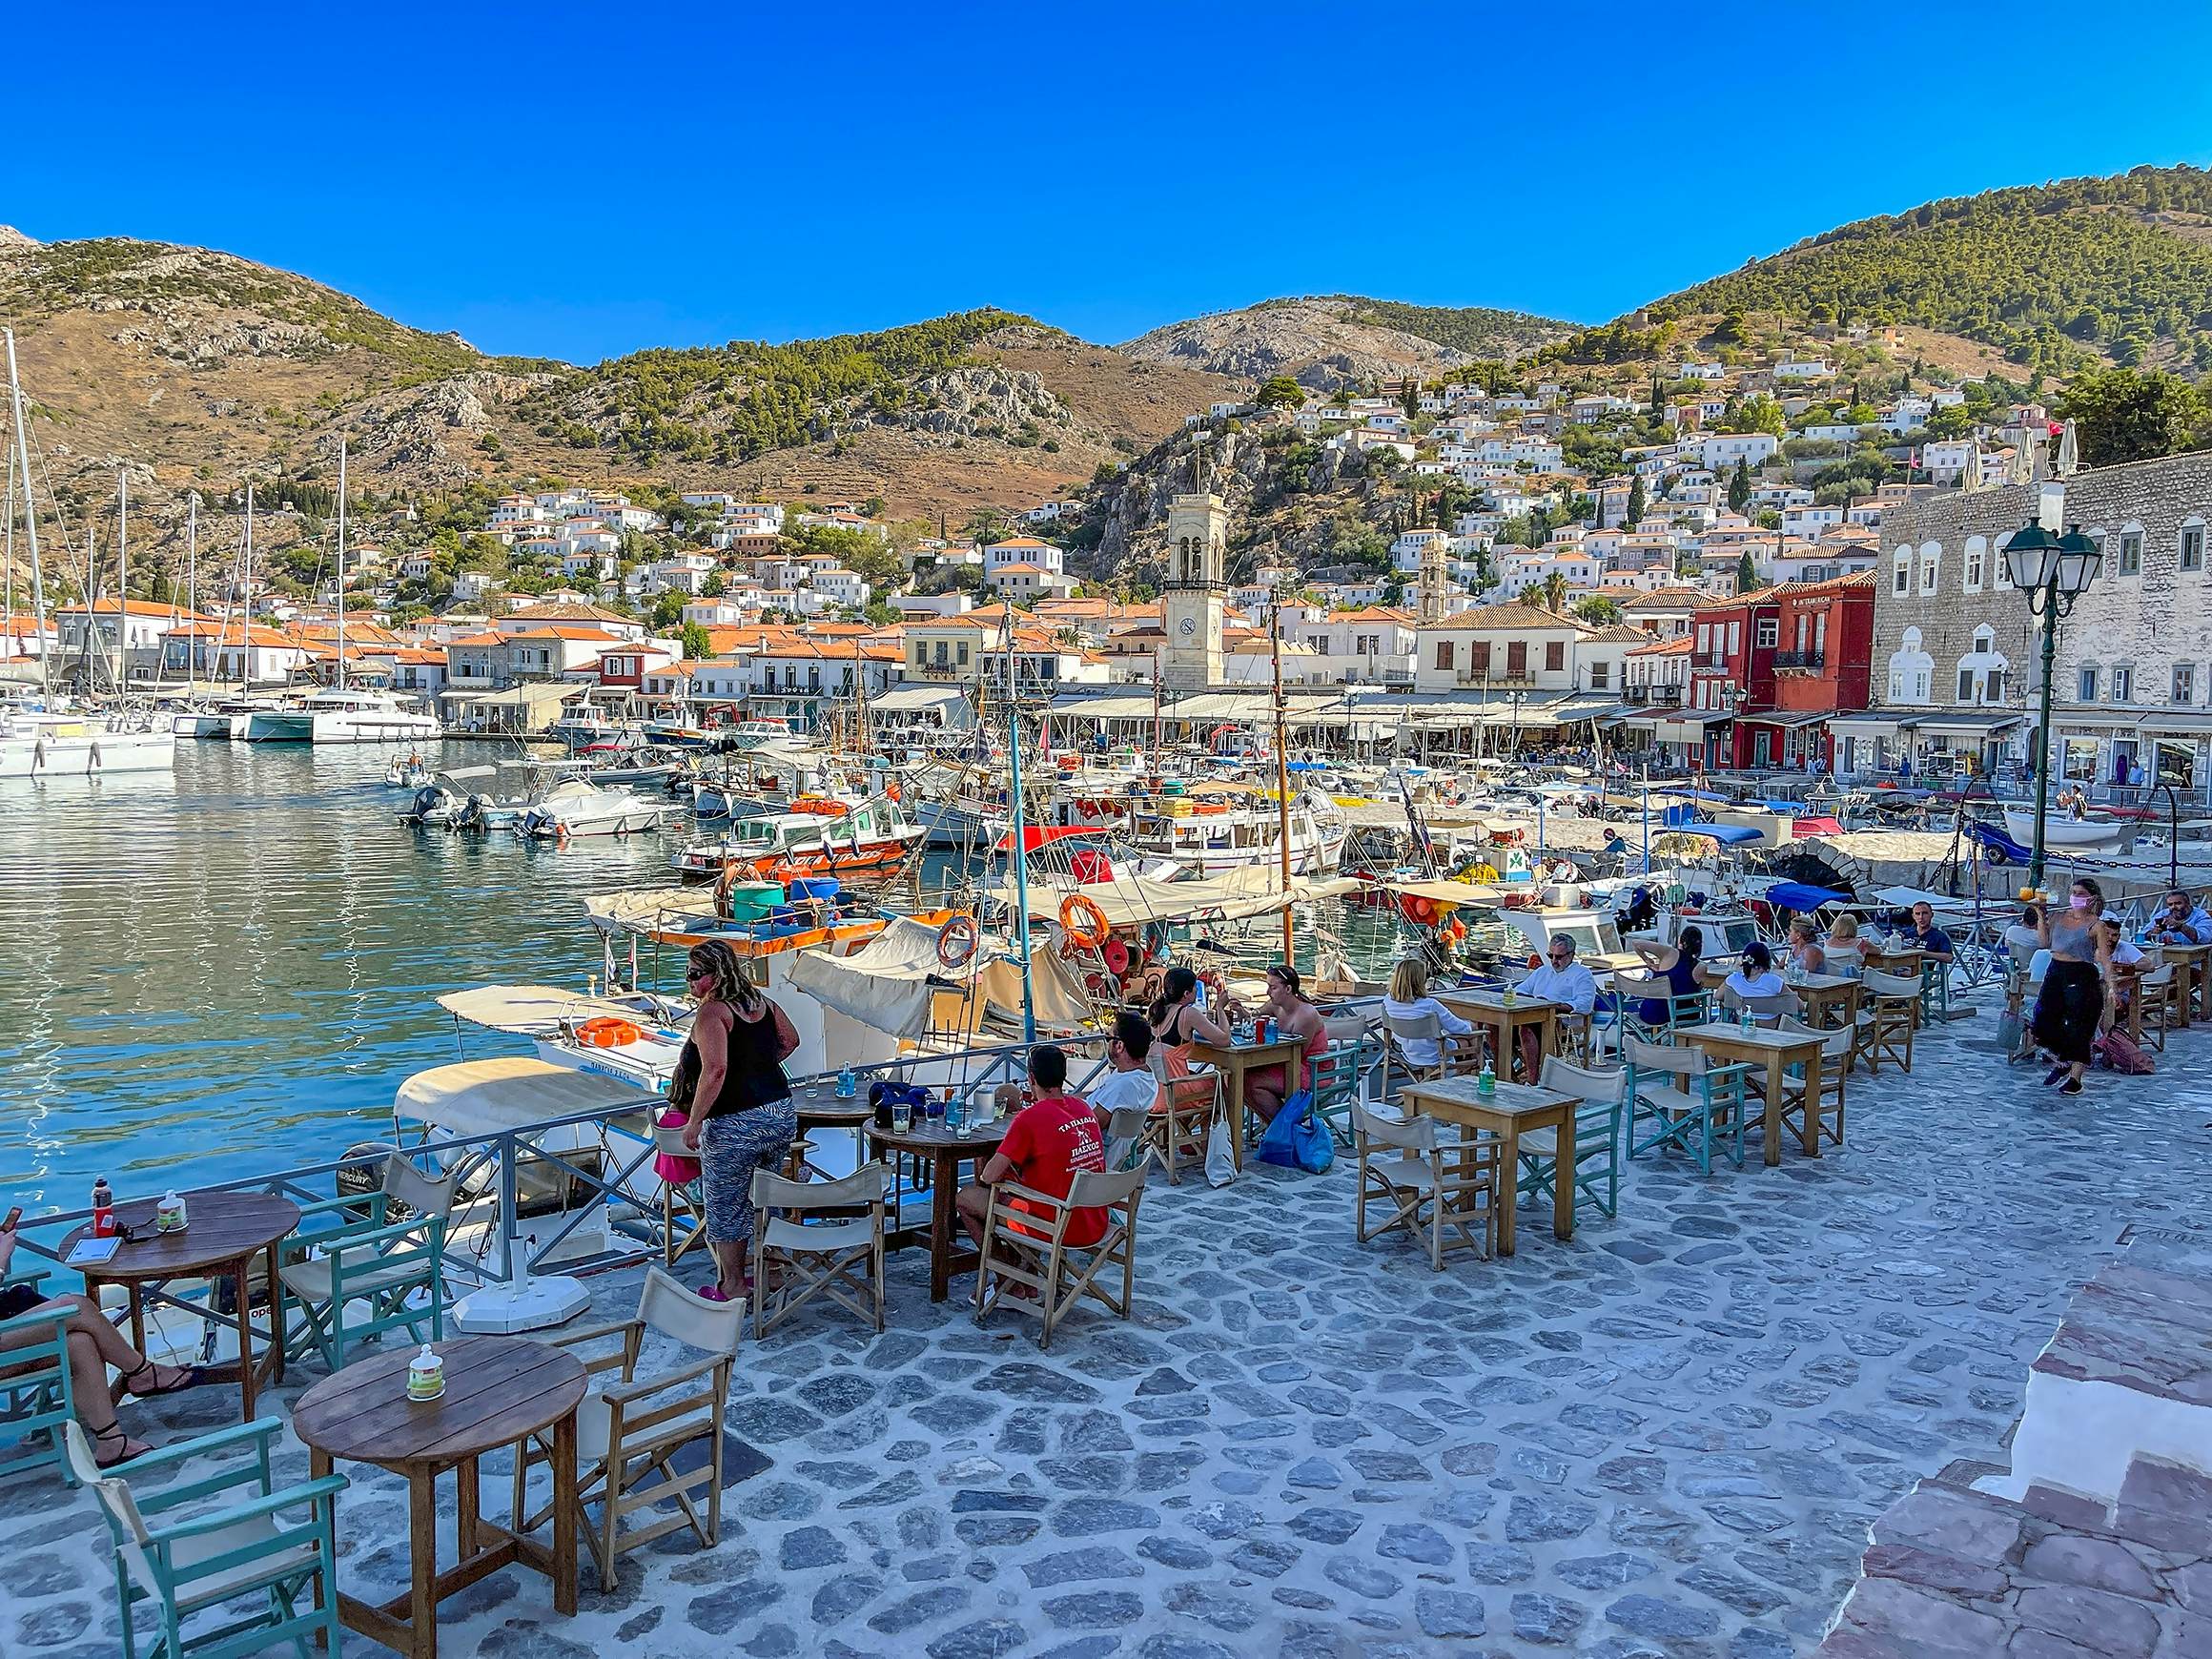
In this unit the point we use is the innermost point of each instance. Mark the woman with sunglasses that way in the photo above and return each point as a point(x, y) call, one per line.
point(739, 1116)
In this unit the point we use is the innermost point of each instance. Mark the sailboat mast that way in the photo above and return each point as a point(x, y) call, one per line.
point(341, 556)
point(1020, 832)
point(192, 585)
point(1281, 772)
point(30, 516)
point(122, 581)
point(246, 597)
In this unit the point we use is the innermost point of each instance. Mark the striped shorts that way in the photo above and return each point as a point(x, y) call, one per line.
point(731, 1149)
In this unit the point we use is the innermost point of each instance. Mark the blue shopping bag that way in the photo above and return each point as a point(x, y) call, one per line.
point(1295, 1138)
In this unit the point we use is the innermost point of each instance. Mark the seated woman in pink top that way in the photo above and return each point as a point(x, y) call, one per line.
point(1266, 1089)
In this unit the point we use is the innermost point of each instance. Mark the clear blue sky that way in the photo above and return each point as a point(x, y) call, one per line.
point(578, 182)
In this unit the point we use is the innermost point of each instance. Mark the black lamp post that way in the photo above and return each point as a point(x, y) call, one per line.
point(2052, 571)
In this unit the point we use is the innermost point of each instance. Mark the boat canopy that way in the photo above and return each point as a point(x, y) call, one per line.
point(1131, 901)
point(1727, 834)
point(889, 983)
point(483, 1096)
point(1800, 896)
point(1440, 893)
point(532, 1010)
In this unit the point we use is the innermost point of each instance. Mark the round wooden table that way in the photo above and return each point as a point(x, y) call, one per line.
point(946, 1153)
point(498, 1389)
point(227, 1231)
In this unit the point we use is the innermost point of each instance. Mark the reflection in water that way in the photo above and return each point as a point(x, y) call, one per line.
point(231, 971)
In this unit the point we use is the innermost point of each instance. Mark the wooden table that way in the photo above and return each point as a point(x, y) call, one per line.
point(498, 1389)
point(1487, 1010)
point(1777, 1051)
point(1515, 1107)
point(2192, 973)
point(1825, 995)
point(1244, 1057)
point(227, 1231)
point(1905, 964)
point(948, 1251)
point(829, 1113)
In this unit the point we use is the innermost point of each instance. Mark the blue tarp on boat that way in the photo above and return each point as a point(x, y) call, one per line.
point(1727, 834)
point(1799, 896)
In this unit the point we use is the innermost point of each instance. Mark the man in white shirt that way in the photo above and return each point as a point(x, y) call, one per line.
point(1561, 979)
point(1129, 1086)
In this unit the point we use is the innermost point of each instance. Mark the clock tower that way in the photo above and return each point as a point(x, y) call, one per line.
point(1196, 591)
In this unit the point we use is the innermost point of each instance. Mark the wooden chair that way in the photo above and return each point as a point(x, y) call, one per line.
point(1409, 1165)
point(1889, 1015)
point(1455, 1054)
point(1692, 1106)
point(683, 1204)
point(1028, 1246)
point(1836, 1049)
point(379, 1263)
point(1636, 989)
point(2157, 999)
point(36, 1397)
point(838, 1255)
point(1125, 1127)
point(198, 1554)
point(1335, 1078)
point(1182, 1116)
point(1597, 1135)
point(1766, 1011)
point(625, 1447)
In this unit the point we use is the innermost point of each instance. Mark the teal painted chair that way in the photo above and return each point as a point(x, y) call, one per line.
point(1333, 1078)
point(1687, 1104)
point(1603, 1094)
point(362, 1277)
point(36, 1399)
point(210, 1567)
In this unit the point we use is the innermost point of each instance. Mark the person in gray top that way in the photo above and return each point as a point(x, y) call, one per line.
point(2072, 1000)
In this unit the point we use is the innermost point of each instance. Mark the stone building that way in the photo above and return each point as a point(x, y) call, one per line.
point(1956, 653)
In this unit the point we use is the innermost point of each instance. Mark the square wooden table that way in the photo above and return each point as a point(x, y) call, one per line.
point(1830, 1000)
point(1234, 1061)
point(1487, 1010)
point(1777, 1051)
point(2193, 974)
point(1905, 964)
point(945, 1152)
point(1515, 1107)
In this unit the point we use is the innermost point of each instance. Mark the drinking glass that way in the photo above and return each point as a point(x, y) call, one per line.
point(902, 1116)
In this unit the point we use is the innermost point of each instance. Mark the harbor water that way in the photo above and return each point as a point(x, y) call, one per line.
point(229, 970)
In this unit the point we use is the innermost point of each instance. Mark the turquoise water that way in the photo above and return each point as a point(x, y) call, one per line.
point(231, 969)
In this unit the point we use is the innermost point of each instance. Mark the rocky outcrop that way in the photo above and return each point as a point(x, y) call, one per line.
point(415, 431)
point(986, 400)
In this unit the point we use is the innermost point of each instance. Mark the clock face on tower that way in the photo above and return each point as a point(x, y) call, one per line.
point(1189, 626)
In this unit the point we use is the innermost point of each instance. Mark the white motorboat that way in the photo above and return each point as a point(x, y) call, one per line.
point(575, 807)
point(407, 773)
point(2069, 834)
point(39, 743)
point(350, 716)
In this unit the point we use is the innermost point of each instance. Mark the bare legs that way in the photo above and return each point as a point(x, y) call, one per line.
point(94, 1346)
point(730, 1261)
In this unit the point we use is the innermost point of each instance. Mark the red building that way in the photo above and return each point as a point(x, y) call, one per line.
point(1769, 669)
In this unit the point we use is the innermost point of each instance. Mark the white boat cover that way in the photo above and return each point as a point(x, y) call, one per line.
point(888, 983)
point(1131, 901)
point(531, 1009)
point(483, 1096)
point(1442, 892)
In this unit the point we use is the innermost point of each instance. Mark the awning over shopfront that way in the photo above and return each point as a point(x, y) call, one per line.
point(1965, 725)
point(913, 699)
point(1782, 720)
point(1105, 706)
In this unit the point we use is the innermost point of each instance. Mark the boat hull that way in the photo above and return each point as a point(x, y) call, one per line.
point(89, 755)
point(2073, 835)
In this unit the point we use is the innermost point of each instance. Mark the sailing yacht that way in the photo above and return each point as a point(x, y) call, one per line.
point(352, 715)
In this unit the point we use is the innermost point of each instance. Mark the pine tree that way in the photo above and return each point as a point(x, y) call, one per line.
point(1635, 502)
point(1739, 489)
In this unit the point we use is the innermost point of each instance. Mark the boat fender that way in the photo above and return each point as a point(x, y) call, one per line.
point(958, 941)
point(1423, 911)
point(1115, 955)
point(1084, 922)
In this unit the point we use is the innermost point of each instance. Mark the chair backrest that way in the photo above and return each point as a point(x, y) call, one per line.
point(865, 1185)
point(1418, 1028)
point(410, 1186)
point(1407, 1135)
point(1679, 1059)
point(1157, 1058)
point(1629, 983)
point(125, 1523)
point(1124, 1128)
point(1834, 1044)
point(1333, 1072)
point(686, 1317)
point(669, 1142)
point(2157, 978)
point(1092, 1189)
point(1598, 1086)
point(1891, 984)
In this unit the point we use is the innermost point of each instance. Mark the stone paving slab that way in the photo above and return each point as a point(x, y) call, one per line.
point(1668, 1437)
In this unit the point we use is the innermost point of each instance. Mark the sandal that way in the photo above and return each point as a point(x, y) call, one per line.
point(714, 1293)
point(114, 1431)
point(188, 1377)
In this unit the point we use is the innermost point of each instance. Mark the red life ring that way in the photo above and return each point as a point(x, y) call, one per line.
point(1424, 909)
point(1084, 922)
point(958, 941)
point(1115, 955)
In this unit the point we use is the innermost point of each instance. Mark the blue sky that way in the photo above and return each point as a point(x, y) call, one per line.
point(578, 182)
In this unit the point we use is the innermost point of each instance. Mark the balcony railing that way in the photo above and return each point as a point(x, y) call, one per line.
point(1800, 659)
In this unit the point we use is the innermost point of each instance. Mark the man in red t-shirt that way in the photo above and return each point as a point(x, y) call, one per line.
point(1046, 1146)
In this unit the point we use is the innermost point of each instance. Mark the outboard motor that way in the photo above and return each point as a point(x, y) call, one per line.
point(426, 801)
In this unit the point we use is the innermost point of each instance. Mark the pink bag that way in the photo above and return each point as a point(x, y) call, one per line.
point(2123, 1053)
point(677, 1172)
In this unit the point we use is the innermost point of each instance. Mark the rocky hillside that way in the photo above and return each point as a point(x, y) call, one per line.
point(1339, 340)
point(2056, 276)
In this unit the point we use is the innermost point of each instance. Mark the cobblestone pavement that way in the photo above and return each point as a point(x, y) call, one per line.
point(1664, 1438)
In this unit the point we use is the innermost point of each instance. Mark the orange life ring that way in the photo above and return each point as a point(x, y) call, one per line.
point(1084, 923)
point(608, 1032)
point(958, 941)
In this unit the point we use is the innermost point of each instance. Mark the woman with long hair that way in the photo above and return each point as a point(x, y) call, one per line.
point(2072, 1000)
point(738, 1110)
point(1680, 964)
point(1267, 1087)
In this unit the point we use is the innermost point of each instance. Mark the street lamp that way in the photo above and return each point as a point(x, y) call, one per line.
point(2052, 571)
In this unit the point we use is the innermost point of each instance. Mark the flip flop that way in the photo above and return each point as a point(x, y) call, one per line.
point(714, 1293)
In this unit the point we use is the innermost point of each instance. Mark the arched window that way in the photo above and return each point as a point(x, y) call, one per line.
point(1981, 671)
point(1975, 564)
point(1931, 565)
point(1901, 571)
point(1910, 669)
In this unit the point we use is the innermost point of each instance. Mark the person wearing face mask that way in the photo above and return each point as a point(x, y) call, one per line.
point(2072, 1000)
